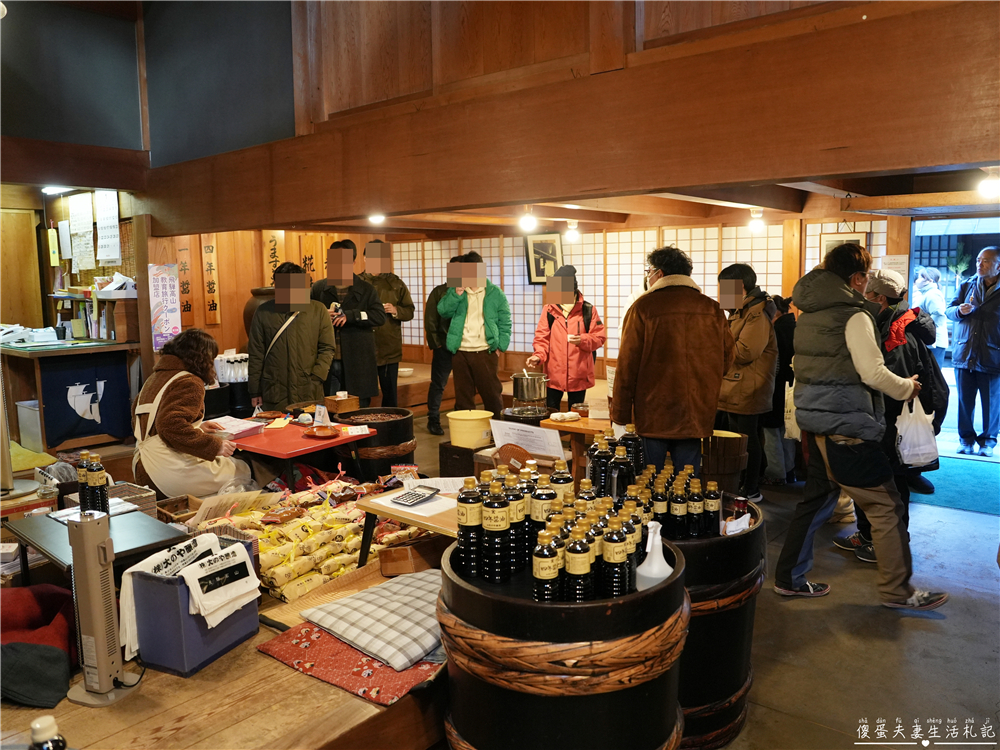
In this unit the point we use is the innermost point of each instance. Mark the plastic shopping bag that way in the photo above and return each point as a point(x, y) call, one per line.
point(792, 431)
point(915, 435)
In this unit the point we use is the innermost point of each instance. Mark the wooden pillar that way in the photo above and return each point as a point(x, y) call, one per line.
point(792, 256)
point(141, 231)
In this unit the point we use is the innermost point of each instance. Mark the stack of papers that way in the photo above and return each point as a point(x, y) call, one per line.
point(238, 427)
point(116, 506)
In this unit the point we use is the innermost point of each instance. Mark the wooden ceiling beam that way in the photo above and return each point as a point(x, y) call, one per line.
point(31, 162)
point(970, 202)
point(557, 212)
point(774, 197)
point(649, 205)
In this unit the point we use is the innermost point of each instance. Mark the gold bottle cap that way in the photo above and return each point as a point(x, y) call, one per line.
point(630, 505)
point(554, 527)
point(713, 486)
point(593, 517)
point(696, 484)
point(568, 499)
point(556, 504)
point(620, 450)
point(689, 468)
point(580, 506)
point(525, 474)
point(646, 493)
point(651, 468)
point(615, 523)
point(659, 485)
point(559, 519)
point(577, 534)
point(469, 483)
point(545, 537)
point(633, 490)
point(583, 523)
point(486, 476)
point(496, 488)
point(95, 458)
point(531, 464)
point(586, 484)
point(598, 436)
point(503, 470)
point(84, 454)
point(510, 480)
point(630, 428)
point(560, 465)
point(543, 480)
point(602, 444)
point(609, 432)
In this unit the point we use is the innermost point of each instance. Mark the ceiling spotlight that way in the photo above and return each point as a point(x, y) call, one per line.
point(376, 218)
point(572, 234)
point(528, 222)
point(756, 225)
point(52, 190)
point(990, 186)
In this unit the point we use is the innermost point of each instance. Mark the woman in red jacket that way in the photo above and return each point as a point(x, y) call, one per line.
point(567, 338)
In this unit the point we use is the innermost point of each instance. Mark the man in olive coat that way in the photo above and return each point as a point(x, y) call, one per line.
point(291, 344)
point(398, 307)
point(355, 311)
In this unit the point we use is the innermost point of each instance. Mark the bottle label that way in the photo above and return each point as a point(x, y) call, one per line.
point(713, 505)
point(470, 514)
point(561, 488)
point(615, 552)
point(496, 519)
point(517, 511)
point(97, 478)
point(81, 475)
point(696, 507)
point(630, 540)
point(593, 554)
point(545, 568)
point(578, 563)
point(561, 557)
point(678, 509)
point(660, 507)
point(539, 509)
point(598, 546)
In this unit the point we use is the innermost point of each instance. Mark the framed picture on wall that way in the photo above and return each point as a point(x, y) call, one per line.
point(544, 255)
point(829, 241)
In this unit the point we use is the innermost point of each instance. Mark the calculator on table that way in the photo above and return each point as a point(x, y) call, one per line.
point(417, 495)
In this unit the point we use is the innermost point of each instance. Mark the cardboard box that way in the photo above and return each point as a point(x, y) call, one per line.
point(414, 556)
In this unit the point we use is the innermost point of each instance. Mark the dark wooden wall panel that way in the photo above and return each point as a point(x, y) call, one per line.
point(665, 18)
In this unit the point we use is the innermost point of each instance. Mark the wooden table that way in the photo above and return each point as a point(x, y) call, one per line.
point(134, 535)
point(581, 434)
point(445, 522)
point(289, 443)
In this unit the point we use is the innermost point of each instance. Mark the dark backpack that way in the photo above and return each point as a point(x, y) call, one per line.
point(588, 314)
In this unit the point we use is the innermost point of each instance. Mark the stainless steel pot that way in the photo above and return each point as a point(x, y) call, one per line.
point(531, 386)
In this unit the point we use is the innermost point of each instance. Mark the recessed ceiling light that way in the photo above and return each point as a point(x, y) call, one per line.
point(756, 225)
point(53, 190)
point(376, 218)
point(572, 234)
point(528, 222)
point(990, 187)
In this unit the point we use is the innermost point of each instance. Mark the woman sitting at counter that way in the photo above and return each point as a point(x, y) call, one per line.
point(176, 453)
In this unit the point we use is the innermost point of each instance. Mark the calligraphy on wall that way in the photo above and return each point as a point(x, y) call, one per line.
point(184, 281)
point(210, 278)
point(274, 252)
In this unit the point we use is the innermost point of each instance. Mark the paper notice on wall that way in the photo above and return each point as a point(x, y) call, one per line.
point(81, 213)
point(164, 303)
point(65, 246)
point(108, 241)
point(898, 263)
point(53, 241)
point(83, 250)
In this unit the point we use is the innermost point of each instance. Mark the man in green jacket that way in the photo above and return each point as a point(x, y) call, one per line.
point(291, 344)
point(436, 328)
point(398, 309)
point(480, 326)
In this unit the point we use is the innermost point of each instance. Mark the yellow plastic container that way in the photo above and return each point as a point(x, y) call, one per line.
point(471, 428)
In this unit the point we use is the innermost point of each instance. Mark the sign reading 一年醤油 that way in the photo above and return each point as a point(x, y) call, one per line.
point(164, 303)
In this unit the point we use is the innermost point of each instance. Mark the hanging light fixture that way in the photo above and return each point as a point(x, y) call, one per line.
point(756, 225)
point(572, 234)
point(376, 218)
point(990, 186)
point(528, 222)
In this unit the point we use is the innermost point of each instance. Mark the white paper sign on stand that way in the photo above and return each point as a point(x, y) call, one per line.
point(538, 441)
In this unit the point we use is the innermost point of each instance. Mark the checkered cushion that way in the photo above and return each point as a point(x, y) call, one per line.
point(394, 622)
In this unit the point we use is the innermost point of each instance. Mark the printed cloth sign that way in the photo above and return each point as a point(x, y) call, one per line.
point(184, 279)
point(164, 303)
point(85, 396)
point(210, 277)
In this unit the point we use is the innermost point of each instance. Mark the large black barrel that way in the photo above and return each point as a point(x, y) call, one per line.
point(394, 443)
point(723, 576)
point(217, 401)
point(535, 676)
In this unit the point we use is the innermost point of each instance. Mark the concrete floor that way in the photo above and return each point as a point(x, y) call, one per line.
point(823, 664)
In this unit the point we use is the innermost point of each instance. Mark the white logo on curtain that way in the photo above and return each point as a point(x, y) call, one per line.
point(83, 403)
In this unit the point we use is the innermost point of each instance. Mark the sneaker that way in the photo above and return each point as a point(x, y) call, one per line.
point(921, 600)
point(755, 497)
point(790, 478)
point(866, 553)
point(434, 428)
point(807, 589)
point(986, 450)
point(964, 449)
point(920, 484)
point(852, 542)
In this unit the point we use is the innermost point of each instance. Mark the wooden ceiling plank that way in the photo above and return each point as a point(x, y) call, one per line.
point(649, 205)
point(923, 204)
point(775, 197)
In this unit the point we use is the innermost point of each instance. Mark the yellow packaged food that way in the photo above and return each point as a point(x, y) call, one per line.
point(345, 570)
point(302, 586)
point(332, 564)
point(274, 556)
point(324, 552)
point(289, 571)
point(342, 532)
point(295, 531)
point(352, 543)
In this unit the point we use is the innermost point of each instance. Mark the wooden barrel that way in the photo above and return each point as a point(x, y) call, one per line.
point(723, 576)
point(588, 676)
point(394, 443)
point(723, 459)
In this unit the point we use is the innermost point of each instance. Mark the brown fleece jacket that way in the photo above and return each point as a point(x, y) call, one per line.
point(182, 405)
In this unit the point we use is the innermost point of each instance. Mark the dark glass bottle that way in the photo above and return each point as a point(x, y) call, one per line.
point(485, 480)
point(579, 577)
point(646, 498)
point(587, 493)
point(555, 508)
point(677, 528)
point(81, 475)
point(545, 569)
point(634, 510)
point(520, 539)
point(713, 509)
point(661, 505)
point(561, 479)
point(631, 545)
point(633, 448)
point(696, 510)
point(469, 512)
point(500, 473)
point(532, 466)
point(555, 528)
point(739, 507)
point(45, 735)
point(611, 440)
point(651, 469)
point(622, 476)
point(525, 483)
point(580, 508)
point(496, 547)
point(616, 577)
point(541, 500)
point(598, 526)
point(98, 483)
point(601, 469)
point(591, 452)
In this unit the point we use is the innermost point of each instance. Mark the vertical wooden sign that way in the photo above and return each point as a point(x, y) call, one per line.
point(210, 278)
point(184, 282)
point(274, 252)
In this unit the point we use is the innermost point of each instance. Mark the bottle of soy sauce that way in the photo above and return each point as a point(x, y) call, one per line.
point(631, 545)
point(611, 440)
point(600, 469)
point(587, 493)
point(520, 538)
point(633, 448)
point(485, 479)
point(525, 483)
point(622, 476)
point(591, 452)
point(555, 528)
point(469, 513)
point(616, 577)
point(580, 508)
point(739, 507)
point(635, 516)
point(661, 504)
point(532, 466)
point(696, 510)
point(496, 547)
point(81, 475)
point(677, 528)
point(555, 508)
point(97, 480)
point(545, 569)
point(713, 509)
point(598, 526)
point(579, 578)
point(541, 500)
point(500, 473)
point(561, 480)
